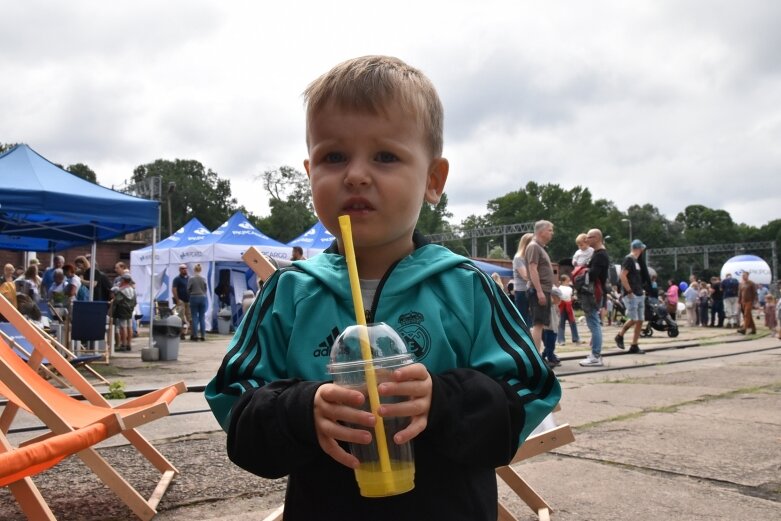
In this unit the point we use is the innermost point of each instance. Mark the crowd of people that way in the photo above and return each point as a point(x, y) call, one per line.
point(55, 288)
point(547, 302)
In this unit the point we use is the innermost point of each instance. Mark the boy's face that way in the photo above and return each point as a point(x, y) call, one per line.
point(378, 170)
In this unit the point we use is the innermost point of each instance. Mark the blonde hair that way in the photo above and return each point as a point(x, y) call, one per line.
point(498, 279)
point(581, 238)
point(523, 243)
point(197, 268)
point(374, 83)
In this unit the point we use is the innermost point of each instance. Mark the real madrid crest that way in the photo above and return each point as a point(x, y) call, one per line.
point(414, 334)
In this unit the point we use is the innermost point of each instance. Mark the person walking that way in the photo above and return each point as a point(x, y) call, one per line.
point(540, 271)
point(717, 303)
point(591, 303)
point(747, 296)
point(671, 296)
point(691, 296)
point(521, 278)
point(196, 288)
point(634, 298)
point(182, 299)
point(729, 290)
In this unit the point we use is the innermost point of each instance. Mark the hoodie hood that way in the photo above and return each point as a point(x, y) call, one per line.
point(330, 269)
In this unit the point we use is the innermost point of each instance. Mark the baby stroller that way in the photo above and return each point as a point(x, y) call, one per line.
point(658, 318)
point(617, 309)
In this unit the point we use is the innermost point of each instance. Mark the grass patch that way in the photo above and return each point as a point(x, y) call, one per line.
point(105, 370)
point(672, 408)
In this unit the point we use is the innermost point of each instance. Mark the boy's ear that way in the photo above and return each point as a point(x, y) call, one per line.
point(437, 176)
point(306, 166)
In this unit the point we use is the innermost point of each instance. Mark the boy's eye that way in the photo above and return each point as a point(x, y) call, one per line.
point(334, 157)
point(385, 157)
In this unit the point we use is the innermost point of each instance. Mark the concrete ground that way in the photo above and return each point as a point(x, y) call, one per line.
point(689, 431)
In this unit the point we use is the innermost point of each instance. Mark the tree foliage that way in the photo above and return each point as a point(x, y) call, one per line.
point(290, 202)
point(83, 171)
point(197, 192)
point(433, 218)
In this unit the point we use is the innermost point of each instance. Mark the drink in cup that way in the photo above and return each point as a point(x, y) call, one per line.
point(384, 470)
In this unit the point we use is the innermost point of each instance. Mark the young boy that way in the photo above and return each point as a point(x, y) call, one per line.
point(374, 136)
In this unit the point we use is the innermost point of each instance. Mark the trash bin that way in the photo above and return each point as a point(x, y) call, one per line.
point(165, 333)
point(224, 321)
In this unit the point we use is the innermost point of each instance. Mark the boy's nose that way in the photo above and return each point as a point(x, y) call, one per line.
point(357, 174)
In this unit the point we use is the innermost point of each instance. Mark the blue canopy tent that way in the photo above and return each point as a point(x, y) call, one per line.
point(314, 240)
point(489, 268)
point(220, 253)
point(45, 208)
point(164, 269)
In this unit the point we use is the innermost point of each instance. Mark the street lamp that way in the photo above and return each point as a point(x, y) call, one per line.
point(630, 228)
point(171, 189)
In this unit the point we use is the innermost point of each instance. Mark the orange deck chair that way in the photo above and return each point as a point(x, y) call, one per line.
point(17, 465)
point(62, 413)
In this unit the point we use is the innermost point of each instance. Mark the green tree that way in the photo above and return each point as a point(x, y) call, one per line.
point(83, 171)
point(290, 202)
point(7, 146)
point(571, 211)
point(703, 225)
point(433, 218)
point(197, 192)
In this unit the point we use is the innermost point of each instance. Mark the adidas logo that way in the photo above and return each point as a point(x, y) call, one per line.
point(324, 348)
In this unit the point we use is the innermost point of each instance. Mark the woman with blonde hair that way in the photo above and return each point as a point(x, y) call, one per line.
point(521, 277)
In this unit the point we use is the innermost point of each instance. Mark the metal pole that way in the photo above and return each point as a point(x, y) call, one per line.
point(93, 267)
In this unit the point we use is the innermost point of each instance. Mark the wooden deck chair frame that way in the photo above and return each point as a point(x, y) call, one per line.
point(18, 465)
point(533, 446)
point(72, 358)
point(136, 412)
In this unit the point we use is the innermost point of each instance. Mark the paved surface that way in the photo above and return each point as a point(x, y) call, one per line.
point(687, 432)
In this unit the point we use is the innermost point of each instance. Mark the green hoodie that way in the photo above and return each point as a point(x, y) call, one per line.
point(490, 386)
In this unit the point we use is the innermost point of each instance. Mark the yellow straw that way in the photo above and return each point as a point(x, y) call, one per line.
point(366, 352)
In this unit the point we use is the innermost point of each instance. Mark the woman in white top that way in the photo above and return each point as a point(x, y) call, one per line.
point(521, 278)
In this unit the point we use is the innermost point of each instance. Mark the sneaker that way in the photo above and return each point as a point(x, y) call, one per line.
point(553, 363)
point(635, 350)
point(561, 343)
point(592, 360)
point(620, 341)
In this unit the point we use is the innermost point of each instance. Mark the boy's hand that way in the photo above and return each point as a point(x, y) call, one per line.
point(412, 381)
point(334, 404)
point(541, 298)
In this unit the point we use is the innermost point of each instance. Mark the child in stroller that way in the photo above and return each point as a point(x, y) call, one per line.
point(658, 318)
point(615, 307)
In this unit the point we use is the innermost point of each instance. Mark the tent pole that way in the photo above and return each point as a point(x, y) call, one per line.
point(93, 266)
point(152, 287)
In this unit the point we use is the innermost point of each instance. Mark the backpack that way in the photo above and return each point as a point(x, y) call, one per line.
point(581, 282)
point(124, 305)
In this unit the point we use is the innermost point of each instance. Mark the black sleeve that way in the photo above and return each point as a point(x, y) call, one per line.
point(600, 264)
point(474, 419)
point(272, 428)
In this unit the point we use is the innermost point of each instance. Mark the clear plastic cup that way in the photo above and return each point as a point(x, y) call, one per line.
point(389, 352)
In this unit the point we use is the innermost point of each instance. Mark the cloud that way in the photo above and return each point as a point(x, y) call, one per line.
point(671, 103)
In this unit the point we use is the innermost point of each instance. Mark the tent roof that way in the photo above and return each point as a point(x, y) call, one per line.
point(315, 238)
point(44, 208)
point(239, 231)
point(489, 268)
point(192, 232)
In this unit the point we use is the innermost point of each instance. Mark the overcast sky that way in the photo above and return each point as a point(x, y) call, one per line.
point(668, 102)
